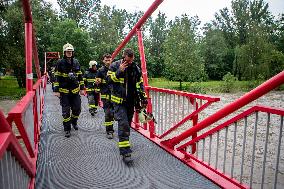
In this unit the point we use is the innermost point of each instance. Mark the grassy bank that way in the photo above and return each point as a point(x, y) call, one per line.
point(207, 87)
point(9, 88)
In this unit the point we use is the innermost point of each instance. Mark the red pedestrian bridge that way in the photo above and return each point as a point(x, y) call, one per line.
point(239, 146)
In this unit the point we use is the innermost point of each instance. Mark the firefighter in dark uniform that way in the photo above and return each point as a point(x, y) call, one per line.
point(91, 89)
point(68, 84)
point(127, 92)
point(101, 81)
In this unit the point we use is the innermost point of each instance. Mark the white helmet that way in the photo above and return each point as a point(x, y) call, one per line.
point(68, 47)
point(92, 63)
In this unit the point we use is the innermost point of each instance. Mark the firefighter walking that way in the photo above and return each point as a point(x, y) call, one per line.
point(127, 92)
point(68, 84)
point(101, 81)
point(93, 94)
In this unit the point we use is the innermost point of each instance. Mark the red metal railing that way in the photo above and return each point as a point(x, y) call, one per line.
point(26, 115)
point(10, 145)
point(28, 112)
point(223, 148)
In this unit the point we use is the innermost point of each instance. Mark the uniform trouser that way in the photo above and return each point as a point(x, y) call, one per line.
point(123, 114)
point(93, 100)
point(108, 109)
point(70, 102)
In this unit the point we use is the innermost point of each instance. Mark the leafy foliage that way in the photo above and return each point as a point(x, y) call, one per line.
point(244, 39)
point(182, 57)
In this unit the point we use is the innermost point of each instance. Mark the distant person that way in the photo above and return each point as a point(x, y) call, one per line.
point(68, 84)
point(127, 92)
point(93, 94)
point(101, 81)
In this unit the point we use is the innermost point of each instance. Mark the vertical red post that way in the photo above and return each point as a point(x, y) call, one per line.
point(142, 57)
point(28, 47)
point(145, 78)
point(44, 63)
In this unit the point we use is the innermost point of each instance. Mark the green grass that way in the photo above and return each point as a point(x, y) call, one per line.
point(206, 87)
point(9, 88)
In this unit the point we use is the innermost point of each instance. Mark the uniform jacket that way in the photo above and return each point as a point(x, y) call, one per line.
point(89, 79)
point(104, 86)
point(68, 77)
point(126, 86)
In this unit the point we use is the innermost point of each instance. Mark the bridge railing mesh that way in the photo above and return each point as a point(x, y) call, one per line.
point(247, 148)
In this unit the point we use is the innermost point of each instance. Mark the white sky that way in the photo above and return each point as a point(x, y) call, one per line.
point(204, 9)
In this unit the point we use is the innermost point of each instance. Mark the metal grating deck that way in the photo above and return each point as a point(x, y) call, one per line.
point(89, 160)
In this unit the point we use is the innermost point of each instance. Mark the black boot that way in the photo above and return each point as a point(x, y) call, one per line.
point(67, 134)
point(127, 158)
point(75, 126)
point(109, 135)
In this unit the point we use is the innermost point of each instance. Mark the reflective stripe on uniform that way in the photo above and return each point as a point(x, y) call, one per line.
point(61, 90)
point(76, 90)
point(109, 123)
point(105, 96)
point(67, 119)
point(123, 144)
point(79, 72)
point(97, 90)
point(91, 80)
point(116, 99)
point(74, 116)
point(89, 90)
point(56, 84)
point(81, 82)
point(92, 106)
point(114, 78)
point(138, 83)
point(61, 74)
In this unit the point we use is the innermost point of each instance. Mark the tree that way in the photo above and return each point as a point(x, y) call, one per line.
point(107, 29)
point(215, 52)
point(78, 10)
point(14, 43)
point(158, 33)
point(182, 57)
point(258, 58)
point(67, 32)
point(44, 21)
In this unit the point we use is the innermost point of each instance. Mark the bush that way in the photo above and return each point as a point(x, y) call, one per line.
point(228, 83)
point(196, 88)
point(254, 83)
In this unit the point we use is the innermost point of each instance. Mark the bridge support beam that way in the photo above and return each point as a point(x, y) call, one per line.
point(28, 49)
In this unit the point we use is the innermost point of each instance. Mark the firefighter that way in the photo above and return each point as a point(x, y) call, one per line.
point(91, 89)
point(67, 86)
point(127, 92)
point(101, 81)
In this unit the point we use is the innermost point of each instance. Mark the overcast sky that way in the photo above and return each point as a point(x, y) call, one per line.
point(204, 9)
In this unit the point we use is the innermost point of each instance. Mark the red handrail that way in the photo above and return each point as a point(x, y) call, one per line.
point(244, 100)
point(138, 25)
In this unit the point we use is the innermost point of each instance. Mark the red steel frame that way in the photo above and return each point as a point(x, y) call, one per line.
point(169, 145)
point(9, 141)
point(30, 46)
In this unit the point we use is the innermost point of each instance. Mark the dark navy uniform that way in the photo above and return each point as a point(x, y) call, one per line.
point(69, 81)
point(92, 91)
point(127, 91)
point(105, 97)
